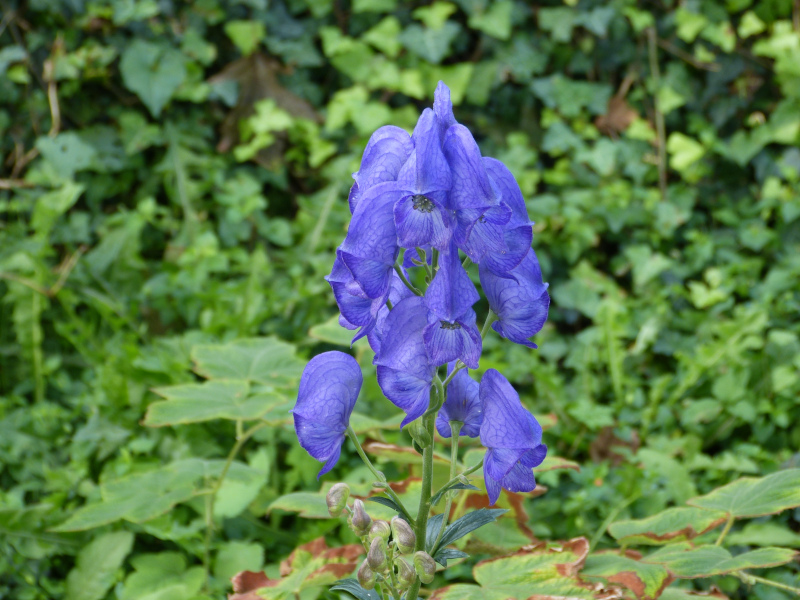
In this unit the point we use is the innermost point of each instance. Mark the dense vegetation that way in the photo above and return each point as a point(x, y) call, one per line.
point(174, 177)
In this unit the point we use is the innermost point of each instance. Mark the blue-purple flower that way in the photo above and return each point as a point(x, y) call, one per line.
point(520, 302)
point(512, 436)
point(387, 151)
point(404, 372)
point(462, 404)
point(328, 391)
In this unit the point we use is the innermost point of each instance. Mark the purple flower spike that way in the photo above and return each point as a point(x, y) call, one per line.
point(387, 151)
point(370, 248)
point(404, 372)
point(512, 436)
point(329, 388)
point(463, 404)
point(521, 304)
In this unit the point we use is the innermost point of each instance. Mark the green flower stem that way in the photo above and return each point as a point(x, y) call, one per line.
point(241, 438)
point(407, 283)
point(725, 531)
point(467, 262)
point(378, 475)
point(490, 318)
point(455, 479)
point(459, 365)
point(752, 579)
point(424, 258)
point(455, 432)
point(421, 528)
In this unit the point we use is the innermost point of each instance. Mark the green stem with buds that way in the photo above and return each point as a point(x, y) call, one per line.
point(455, 432)
point(421, 528)
point(378, 475)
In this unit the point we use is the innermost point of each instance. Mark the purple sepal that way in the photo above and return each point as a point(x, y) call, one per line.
point(329, 388)
point(443, 108)
point(446, 341)
point(386, 152)
point(521, 303)
point(471, 187)
point(512, 436)
point(421, 221)
point(451, 293)
point(463, 404)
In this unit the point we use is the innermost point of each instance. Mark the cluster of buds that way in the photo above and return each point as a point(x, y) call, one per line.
point(385, 543)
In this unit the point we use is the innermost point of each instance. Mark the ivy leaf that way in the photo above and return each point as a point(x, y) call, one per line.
point(153, 72)
point(432, 45)
point(754, 497)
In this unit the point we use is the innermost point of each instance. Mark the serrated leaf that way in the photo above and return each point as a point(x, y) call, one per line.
point(352, 587)
point(672, 525)
point(97, 564)
point(686, 562)
point(647, 581)
point(153, 72)
point(268, 361)
point(468, 523)
point(197, 402)
point(754, 497)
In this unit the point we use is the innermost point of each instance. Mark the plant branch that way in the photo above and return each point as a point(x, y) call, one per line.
point(378, 475)
point(725, 531)
point(455, 432)
point(490, 318)
point(405, 280)
point(751, 579)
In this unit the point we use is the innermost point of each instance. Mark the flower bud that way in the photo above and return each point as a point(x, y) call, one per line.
point(337, 498)
point(419, 433)
point(405, 574)
point(360, 520)
point(403, 535)
point(366, 576)
point(425, 566)
point(379, 529)
point(376, 557)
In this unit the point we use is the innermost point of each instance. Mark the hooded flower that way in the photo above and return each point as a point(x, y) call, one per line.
point(512, 436)
point(328, 391)
point(451, 332)
point(387, 151)
point(521, 303)
point(463, 404)
point(420, 215)
point(404, 372)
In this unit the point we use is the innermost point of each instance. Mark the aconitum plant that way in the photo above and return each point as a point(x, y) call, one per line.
point(425, 207)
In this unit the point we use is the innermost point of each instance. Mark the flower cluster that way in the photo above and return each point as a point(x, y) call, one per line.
point(419, 203)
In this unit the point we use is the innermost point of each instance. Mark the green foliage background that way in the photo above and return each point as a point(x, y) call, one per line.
point(174, 175)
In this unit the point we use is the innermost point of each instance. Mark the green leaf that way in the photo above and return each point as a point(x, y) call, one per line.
point(383, 36)
point(153, 72)
point(496, 21)
point(383, 6)
point(434, 16)
point(445, 554)
point(352, 587)
point(704, 561)
point(51, 205)
point(246, 35)
point(268, 361)
point(237, 556)
point(754, 497)
point(330, 331)
point(66, 152)
point(764, 534)
point(97, 565)
point(197, 402)
point(386, 501)
point(647, 581)
point(162, 576)
point(672, 525)
point(683, 151)
point(456, 486)
point(144, 496)
point(308, 505)
point(468, 523)
point(432, 45)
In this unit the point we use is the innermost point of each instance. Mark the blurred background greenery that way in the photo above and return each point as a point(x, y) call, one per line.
point(175, 174)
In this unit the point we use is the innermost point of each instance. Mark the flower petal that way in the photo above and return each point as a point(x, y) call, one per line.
point(386, 152)
point(519, 479)
point(462, 403)
point(506, 423)
point(403, 347)
point(471, 187)
point(451, 293)
point(406, 391)
point(421, 221)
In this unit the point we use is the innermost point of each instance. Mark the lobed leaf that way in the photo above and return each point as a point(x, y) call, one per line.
point(672, 525)
point(754, 497)
point(268, 361)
